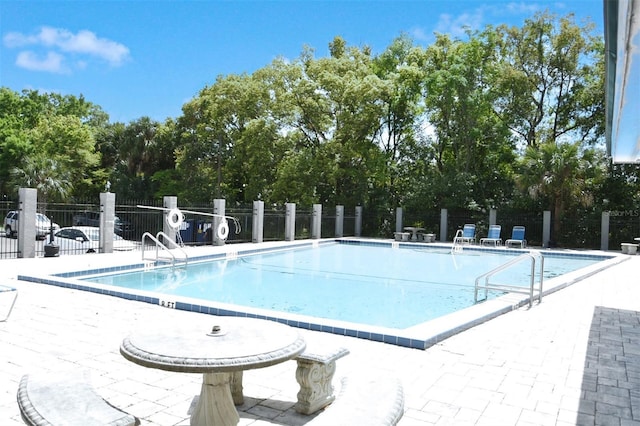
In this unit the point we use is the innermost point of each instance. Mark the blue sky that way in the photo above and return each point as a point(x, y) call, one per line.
point(147, 58)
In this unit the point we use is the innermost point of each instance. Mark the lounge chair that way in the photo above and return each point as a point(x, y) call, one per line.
point(465, 235)
point(12, 296)
point(517, 237)
point(493, 236)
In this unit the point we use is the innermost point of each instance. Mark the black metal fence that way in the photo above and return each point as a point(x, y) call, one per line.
point(577, 229)
point(137, 217)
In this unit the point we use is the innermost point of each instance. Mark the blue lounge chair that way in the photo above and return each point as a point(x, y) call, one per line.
point(517, 237)
point(465, 235)
point(493, 236)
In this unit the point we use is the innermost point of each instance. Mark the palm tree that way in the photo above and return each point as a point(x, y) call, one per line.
point(561, 174)
point(44, 174)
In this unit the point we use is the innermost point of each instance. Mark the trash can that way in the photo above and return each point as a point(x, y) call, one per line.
point(51, 250)
point(187, 231)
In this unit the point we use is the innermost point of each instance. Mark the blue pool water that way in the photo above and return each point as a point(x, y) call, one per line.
point(374, 285)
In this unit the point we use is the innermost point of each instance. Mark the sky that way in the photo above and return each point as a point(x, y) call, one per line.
point(142, 58)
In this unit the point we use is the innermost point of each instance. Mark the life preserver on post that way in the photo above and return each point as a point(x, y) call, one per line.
point(223, 230)
point(175, 218)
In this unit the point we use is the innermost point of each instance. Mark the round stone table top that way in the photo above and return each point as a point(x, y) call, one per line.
point(230, 344)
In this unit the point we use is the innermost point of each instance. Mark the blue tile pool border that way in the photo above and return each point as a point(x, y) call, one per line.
point(391, 336)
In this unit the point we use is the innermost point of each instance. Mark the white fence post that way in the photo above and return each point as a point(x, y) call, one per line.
point(258, 222)
point(443, 225)
point(290, 222)
point(107, 221)
point(28, 201)
point(604, 231)
point(316, 222)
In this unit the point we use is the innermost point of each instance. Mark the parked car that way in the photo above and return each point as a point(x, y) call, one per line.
point(86, 239)
point(120, 227)
point(43, 225)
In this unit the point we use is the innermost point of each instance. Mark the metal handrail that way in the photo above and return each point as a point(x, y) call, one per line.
point(531, 255)
point(159, 245)
point(457, 243)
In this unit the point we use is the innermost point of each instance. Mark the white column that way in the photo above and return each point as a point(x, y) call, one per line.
point(316, 222)
point(399, 219)
point(443, 224)
point(290, 222)
point(169, 202)
point(28, 201)
point(218, 209)
point(546, 228)
point(107, 221)
point(604, 231)
point(258, 222)
point(358, 228)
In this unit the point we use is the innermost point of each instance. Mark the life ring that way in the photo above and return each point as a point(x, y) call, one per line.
point(175, 218)
point(223, 230)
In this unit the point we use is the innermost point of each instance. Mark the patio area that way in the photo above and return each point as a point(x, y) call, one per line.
point(572, 360)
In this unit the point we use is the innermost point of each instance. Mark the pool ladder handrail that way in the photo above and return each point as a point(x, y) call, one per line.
point(531, 255)
point(159, 245)
point(457, 242)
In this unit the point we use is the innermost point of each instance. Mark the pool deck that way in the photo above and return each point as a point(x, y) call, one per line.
point(574, 359)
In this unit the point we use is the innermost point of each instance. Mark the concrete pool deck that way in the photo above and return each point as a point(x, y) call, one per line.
point(572, 360)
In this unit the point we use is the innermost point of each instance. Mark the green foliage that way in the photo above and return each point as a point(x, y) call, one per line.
point(563, 175)
point(504, 117)
point(46, 142)
point(471, 150)
point(549, 85)
point(52, 180)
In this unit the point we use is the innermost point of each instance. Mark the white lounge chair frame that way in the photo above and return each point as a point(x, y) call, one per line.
point(7, 289)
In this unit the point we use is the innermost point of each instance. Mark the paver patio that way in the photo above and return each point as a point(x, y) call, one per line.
point(572, 360)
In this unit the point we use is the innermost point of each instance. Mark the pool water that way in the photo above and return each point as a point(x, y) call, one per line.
point(379, 286)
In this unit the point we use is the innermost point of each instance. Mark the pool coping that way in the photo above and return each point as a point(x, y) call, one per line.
point(420, 336)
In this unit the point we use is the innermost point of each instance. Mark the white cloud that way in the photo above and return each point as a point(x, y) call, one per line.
point(419, 35)
point(522, 8)
point(457, 25)
point(52, 62)
point(12, 40)
point(57, 42)
point(476, 19)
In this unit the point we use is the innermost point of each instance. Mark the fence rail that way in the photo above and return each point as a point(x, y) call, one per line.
point(576, 231)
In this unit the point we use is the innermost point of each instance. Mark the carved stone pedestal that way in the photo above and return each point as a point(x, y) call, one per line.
point(315, 374)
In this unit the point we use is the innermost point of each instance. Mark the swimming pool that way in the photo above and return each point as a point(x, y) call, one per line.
point(397, 293)
point(373, 285)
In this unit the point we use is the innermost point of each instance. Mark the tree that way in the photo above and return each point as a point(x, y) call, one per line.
point(471, 150)
point(564, 175)
point(550, 86)
point(549, 90)
point(332, 120)
point(51, 179)
point(37, 126)
point(71, 144)
point(400, 67)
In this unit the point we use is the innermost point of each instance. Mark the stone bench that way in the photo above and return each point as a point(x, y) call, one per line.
point(427, 238)
point(402, 236)
point(629, 248)
point(374, 401)
point(69, 400)
point(314, 374)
